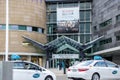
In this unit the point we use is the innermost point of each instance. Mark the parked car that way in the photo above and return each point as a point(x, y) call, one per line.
point(24, 70)
point(97, 69)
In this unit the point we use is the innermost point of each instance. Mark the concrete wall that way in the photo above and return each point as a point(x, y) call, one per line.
point(23, 12)
point(104, 10)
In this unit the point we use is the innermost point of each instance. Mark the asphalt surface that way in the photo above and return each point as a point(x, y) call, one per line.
point(59, 74)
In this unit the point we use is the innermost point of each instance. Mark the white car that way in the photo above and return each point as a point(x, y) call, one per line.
point(24, 70)
point(94, 70)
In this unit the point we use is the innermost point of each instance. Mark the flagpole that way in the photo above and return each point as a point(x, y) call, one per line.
point(7, 31)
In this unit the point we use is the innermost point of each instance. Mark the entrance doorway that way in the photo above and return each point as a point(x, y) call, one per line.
point(55, 63)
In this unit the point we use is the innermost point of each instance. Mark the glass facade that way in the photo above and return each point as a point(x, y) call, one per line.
point(84, 33)
point(82, 36)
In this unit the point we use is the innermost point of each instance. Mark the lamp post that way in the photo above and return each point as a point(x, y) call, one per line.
point(7, 31)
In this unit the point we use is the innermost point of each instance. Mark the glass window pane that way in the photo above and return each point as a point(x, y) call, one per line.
point(48, 16)
point(82, 5)
point(76, 4)
point(50, 29)
point(106, 23)
point(82, 15)
point(60, 5)
point(40, 30)
point(88, 5)
point(22, 27)
point(52, 17)
point(118, 18)
point(87, 15)
point(75, 37)
point(100, 64)
point(48, 6)
point(117, 38)
point(3, 26)
point(82, 27)
point(29, 28)
point(35, 29)
point(14, 27)
point(18, 65)
point(0, 26)
point(43, 30)
point(85, 63)
point(110, 64)
point(87, 38)
point(53, 6)
point(87, 28)
point(68, 5)
point(81, 38)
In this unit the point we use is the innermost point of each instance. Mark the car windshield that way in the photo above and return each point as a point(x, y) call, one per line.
point(85, 63)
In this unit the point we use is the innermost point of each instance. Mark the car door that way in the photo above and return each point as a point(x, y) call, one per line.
point(114, 70)
point(26, 71)
point(102, 69)
point(36, 72)
point(19, 72)
point(118, 71)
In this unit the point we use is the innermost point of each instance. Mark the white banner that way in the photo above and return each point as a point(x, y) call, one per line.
point(67, 14)
point(65, 56)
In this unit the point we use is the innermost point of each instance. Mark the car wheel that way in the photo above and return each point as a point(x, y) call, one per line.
point(95, 77)
point(48, 78)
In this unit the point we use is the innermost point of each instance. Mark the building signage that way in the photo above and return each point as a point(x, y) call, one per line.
point(68, 20)
point(65, 56)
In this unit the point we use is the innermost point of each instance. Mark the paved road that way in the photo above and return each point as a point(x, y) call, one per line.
point(60, 74)
point(62, 78)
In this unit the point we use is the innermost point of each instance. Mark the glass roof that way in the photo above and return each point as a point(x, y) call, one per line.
point(63, 40)
point(62, 43)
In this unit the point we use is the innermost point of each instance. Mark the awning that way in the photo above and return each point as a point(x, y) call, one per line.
point(35, 43)
point(64, 42)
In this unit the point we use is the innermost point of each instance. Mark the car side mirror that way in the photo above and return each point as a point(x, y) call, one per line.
point(40, 69)
point(116, 66)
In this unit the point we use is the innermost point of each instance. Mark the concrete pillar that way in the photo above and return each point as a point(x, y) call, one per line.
point(6, 70)
point(29, 58)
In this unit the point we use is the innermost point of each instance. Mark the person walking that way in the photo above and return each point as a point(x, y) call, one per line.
point(60, 65)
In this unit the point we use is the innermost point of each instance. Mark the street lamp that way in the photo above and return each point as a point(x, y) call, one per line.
point(7, 31)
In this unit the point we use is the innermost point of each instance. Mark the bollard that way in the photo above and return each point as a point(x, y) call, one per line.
point(6, 72)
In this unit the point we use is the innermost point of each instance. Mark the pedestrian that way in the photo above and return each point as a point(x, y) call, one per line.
point(60, 65)
point(63, 65)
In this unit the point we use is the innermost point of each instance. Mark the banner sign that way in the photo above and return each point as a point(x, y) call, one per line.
point(65, 56)
point(68, 20)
